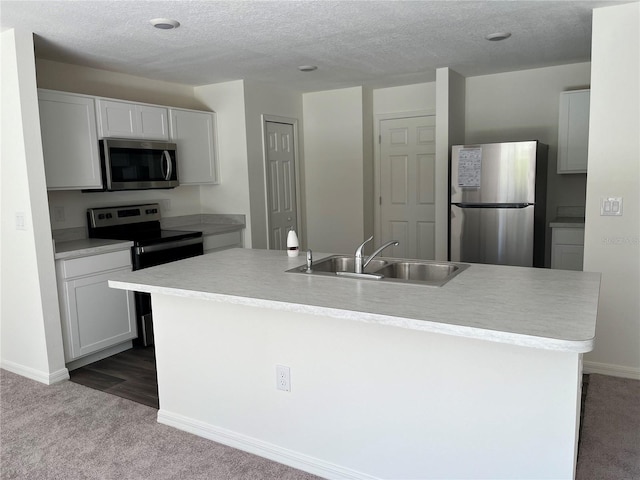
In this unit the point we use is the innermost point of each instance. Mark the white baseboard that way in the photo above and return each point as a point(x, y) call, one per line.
point(613, 370)
point(37, 375)
point(102, 354)
point(261, 448)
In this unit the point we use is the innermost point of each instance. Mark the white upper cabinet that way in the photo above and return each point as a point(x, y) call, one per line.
point(573, 131)
point(132, 120)
point(69, 140)
point(193, 132)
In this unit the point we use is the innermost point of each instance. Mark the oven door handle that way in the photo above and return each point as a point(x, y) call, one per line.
point(169, 164)
point(167, 245)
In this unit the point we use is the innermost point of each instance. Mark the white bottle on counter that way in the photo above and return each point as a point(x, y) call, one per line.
point(292, 244)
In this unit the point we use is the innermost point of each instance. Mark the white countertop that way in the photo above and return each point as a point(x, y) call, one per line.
point(88, 246)
point(540, 308)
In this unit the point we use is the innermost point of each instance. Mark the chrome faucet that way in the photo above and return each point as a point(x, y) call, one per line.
point(309, 261)
point(361, 264)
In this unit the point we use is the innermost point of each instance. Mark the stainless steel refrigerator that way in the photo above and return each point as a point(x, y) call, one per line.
point(498, 203)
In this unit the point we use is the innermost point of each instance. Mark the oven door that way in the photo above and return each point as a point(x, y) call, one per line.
point(158, 254)
point(149, 256)
point(138, 164)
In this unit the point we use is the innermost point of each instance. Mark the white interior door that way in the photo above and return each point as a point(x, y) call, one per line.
point(407, 186)
point(281, 183)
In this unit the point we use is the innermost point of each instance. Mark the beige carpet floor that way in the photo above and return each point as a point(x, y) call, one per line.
point(610, 442)
point(71, 432)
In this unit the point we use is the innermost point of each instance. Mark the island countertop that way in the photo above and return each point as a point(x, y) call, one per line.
point(532, 307)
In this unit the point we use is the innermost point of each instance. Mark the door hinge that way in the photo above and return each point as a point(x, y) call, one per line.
point(379, 200)
point(379, 138)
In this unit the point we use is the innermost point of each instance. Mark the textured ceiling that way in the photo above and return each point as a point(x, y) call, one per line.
point(372, 43)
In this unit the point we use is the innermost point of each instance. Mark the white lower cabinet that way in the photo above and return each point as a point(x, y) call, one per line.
point(94, 316)
point(567, 248)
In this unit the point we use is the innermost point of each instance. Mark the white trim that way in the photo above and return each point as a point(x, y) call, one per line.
point(296, 164)
point(94, 357)
point(33, 374)
point(261, 448)
point(379, 118)
point(613, 370)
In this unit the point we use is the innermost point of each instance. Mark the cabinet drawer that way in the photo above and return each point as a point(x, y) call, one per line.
point(222, 240)
point(77, 267)
point(568, 236)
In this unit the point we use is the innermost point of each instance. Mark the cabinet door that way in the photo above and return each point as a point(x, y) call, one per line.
point(153, 123)
point(69, 141)
point(117, 119)
point(573, 132)
point(96, 316)
point(567, 257)
point(131, 120)
point(193, 132)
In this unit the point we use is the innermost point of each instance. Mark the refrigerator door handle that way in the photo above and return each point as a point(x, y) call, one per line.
point(493, 205)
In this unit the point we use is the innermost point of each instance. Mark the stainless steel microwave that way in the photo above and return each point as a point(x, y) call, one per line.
point(129, 164)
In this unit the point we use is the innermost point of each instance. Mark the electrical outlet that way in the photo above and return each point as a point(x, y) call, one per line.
point(283, 378)
point(59, 214)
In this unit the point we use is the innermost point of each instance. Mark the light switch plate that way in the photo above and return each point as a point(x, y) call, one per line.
point(611, 206)
point(20, 221)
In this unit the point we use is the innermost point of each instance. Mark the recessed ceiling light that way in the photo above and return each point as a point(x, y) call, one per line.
point(165, 23)
point(307, 68)
point(496, 37)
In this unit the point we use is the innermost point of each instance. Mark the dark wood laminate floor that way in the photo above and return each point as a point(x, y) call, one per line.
point(130, 374)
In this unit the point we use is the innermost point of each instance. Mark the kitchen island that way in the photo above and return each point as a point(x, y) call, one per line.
point(480, 378)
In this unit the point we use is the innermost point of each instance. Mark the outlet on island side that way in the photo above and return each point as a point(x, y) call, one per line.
point(283, 378)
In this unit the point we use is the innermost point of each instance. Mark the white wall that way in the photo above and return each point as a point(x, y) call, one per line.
point(612, 244)
point(31, 343)
point(232, 194)
point(93, 81)
point(450, 123)
point(405, 99)
point(368, 165)
point(334, 156)
point(524, 105)
point(261, 100)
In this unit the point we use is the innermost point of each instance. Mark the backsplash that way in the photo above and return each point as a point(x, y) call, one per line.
point(567, 211)
point(79, 233)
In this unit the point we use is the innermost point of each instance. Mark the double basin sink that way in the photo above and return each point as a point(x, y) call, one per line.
point(421, 272)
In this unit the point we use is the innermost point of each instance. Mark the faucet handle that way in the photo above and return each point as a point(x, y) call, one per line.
point(359, 249)
point(309, 260)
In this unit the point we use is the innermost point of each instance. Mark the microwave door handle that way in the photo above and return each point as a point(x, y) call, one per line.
point(167, 159)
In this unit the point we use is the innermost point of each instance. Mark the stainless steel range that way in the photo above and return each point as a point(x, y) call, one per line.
point(151, 246)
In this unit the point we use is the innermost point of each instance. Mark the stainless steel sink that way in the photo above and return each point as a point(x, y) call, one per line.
point(343, 263)
point(396, 270)
point(419, 271)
